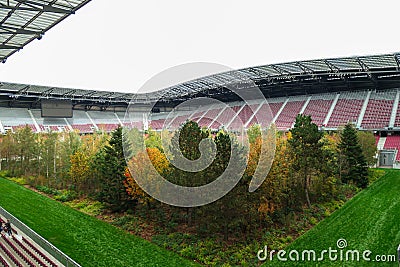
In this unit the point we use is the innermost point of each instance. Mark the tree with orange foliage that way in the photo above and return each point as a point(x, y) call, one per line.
point(140, 166)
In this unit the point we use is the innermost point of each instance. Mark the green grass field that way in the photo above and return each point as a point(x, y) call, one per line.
point(87, 240)
point(369, 221)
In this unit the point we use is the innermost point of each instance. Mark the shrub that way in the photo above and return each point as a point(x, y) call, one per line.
point(65, 195)
point(93, 208)
point(47, 190)
point(375, 174)
point(18, 180)
point(4, 174)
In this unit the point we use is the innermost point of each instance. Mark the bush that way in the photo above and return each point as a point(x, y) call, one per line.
point(93, 208)
point(4, 174)
point(65, 195)
point(128, 223)
point(18, 180)
point(375, 174)
point(48, 190)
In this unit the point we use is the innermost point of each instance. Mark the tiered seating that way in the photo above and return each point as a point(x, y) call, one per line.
point(197, 115)
point(40, 253)
point(53, 128)
point(134, 124)
point(397, 120)
point(318, 108)
point(288, 114)
point(28, 252)
point(49, 124)
point(379, 110)
point(103, 117)
point(10, 255)
point(33, 128)
point(4, 262)
point(18, 252)
point(347, 109)
point(209, 116)
point(246, 113)
point(377, 137)
point(204, 122)
point(108, 127)
point(83, 128)
point(15, 117)
point(224, 118)
point(275, 107)
point(157, 124)
point(176, 122)
point(237, 123)
point(265, 112)
point(393, 142)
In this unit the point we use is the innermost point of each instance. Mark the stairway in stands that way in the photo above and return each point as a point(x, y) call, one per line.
point(19, 250)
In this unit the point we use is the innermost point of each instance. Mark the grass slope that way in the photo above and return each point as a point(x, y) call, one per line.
point(369, 221)
point(87, 240)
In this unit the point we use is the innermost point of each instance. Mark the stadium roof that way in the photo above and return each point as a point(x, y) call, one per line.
point(290, 78)
point(22, 21)
point(283, 79)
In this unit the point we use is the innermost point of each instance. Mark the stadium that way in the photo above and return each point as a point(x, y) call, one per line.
point(361, 90)
point(334, 92)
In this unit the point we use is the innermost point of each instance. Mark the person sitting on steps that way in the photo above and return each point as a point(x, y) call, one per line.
point(8, 227)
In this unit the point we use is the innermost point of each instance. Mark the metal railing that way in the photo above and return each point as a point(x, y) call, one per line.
point(43, 243)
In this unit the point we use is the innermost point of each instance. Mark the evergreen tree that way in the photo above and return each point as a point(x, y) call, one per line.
point(110, 166)
point(306, 150)
point(353, 166)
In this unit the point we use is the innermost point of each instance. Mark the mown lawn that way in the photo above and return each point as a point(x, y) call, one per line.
point(87, 240)
point(369, 221)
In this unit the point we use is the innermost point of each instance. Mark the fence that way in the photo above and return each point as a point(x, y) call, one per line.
point(52, 250)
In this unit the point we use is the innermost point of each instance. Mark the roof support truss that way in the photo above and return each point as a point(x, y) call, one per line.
point(30, 5)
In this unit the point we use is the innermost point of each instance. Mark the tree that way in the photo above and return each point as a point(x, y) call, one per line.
point(353, 164)
point(139, 166)
point(69, 143)
point(306, 150)
point(276, 190)
point(25, 142)
point(49, 156)
point(367, 142)
point(8, 152)
point(80, 169)
point(110, 166)
point(187, 142)
point(236, 210)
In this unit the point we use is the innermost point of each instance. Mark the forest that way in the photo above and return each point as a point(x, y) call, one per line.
point(313, 173)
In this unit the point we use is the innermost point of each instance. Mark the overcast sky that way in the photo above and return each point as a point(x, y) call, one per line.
point(118, 45)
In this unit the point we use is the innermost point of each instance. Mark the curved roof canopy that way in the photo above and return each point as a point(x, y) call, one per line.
point(22, 21)
point(293, 78)
point(370, 69)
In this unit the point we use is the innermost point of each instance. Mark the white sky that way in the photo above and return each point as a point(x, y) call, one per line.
point(118, 45)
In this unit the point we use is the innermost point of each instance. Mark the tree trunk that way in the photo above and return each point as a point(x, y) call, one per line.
point(306, 189)
point(307, 197)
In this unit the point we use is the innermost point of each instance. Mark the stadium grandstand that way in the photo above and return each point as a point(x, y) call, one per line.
point(363, 90)
point(360, 90)
point(24, 247)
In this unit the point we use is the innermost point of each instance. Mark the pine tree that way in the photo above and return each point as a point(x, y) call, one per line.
point(306, 150)
point(353, 165)
point(110, 165)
